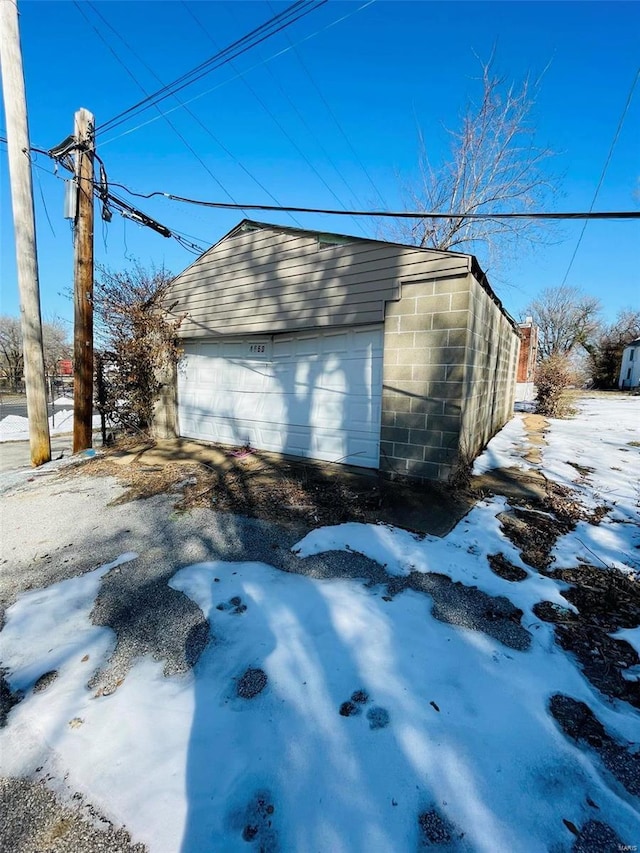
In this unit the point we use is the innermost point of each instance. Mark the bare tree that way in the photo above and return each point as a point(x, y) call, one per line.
point(11, 360)
point(565, 317)
point(494, 167)
point(137, 336)
point(56, 345)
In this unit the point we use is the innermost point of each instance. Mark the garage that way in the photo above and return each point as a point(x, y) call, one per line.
point(338, 348)
point(313, 394)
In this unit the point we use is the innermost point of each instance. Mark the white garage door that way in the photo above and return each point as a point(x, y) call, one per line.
point(312, 394)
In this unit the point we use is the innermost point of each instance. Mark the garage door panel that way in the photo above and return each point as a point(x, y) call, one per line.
point(360, 417)
point(331, 383)
point(329, 413)
point(330, 442)
point(289, 375)
point(337, 343)
point(298, 442)
point(283, 350)
point(315, 394)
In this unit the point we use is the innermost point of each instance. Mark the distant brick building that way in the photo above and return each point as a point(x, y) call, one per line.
point(525, 390)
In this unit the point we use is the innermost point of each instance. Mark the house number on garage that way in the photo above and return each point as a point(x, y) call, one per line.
point(259, 350)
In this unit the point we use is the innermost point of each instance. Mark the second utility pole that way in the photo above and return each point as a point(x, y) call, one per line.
point(84, 132)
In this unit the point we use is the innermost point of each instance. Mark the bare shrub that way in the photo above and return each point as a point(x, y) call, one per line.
point(462, 467)
point(553, 376)
point(139, 343)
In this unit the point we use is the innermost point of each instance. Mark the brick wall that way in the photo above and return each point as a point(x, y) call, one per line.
point(524, 372)
point(528, 352)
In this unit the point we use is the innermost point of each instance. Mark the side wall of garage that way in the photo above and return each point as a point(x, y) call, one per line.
point(493, 345)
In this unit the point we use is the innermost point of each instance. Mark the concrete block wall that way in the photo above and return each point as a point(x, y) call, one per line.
point(448, 376)
point(490, 370)
point(425, 341)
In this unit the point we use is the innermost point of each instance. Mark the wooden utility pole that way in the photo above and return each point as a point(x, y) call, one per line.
point(15, 108)
point(84, 132)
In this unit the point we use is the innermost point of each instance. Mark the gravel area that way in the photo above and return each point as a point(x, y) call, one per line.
point(55, 528)
point(35, 820)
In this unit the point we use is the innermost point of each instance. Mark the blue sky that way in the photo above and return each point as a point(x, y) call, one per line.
point(383, 69)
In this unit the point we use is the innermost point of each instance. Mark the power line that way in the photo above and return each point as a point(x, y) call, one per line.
point(306, 123)
point(402, 214)
point(390, 214)
point(198, 121)
point(165, 89)
point(44, 202)
point(604, 172)
point(105, 42)
point(274, 118)
point(126, 210)
point(312, 133)
point(308, 126)
point(333, 115)
point(276, 55)
point(259, 34)
point(140, 86)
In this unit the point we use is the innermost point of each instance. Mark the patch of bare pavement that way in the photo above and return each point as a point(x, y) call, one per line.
point(43, 823)
point(522, 484)
point(275, 488)
point(16, 455)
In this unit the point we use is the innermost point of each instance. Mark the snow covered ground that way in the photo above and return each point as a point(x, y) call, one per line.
point(598, 455)
point(16, 428)
point(325, 715)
